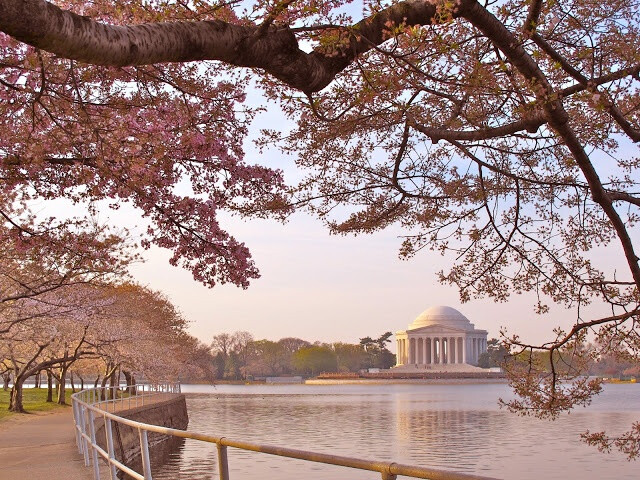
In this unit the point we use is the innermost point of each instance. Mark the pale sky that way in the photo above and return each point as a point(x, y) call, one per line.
point(330, 288)
point(320, 287)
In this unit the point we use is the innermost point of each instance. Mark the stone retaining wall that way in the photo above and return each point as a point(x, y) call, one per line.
point(170, 413)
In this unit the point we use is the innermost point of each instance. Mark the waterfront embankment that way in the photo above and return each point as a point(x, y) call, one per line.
point(163, 409)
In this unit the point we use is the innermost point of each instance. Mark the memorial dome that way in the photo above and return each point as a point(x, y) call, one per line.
point(441, 315)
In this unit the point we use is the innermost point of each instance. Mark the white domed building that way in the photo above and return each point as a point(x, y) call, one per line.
point(440, 338)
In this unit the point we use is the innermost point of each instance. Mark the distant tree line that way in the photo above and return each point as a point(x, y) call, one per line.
point(238, 356)
point(599, 360)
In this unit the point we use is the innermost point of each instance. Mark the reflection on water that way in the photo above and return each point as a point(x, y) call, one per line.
point(453, 427)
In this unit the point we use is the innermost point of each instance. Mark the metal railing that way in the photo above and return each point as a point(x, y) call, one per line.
point(90, 405)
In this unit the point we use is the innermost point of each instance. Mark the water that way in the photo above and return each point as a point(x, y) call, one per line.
point(453, 427)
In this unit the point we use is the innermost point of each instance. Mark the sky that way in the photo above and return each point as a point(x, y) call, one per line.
point(317, 286)
point(322, 287)
point(330, 288)
point(327, 288)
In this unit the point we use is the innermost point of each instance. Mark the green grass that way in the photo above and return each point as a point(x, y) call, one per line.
point(33, 400)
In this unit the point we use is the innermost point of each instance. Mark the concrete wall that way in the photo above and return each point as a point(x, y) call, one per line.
point(170, 413)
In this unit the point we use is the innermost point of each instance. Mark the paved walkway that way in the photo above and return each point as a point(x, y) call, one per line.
point(41, 446)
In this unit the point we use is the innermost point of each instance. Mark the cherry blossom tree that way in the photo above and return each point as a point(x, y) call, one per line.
point(123, 327)
point(5, 366)
point(49, 338)
point(165, 138)
point(503, 132)
point(141, 333)
point(62, 255)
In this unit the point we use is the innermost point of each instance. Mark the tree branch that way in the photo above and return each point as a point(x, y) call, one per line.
point(531, 124)
point(43, 25)
point(556, 115)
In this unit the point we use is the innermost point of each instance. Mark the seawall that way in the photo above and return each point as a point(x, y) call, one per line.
point(171, 413)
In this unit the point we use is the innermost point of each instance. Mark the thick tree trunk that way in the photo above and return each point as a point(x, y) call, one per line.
point(6, 378)
point(133, 390)
point(103, 388)
point(95, 384)
point(131, 381)
point(36, 382)
point(114, 382)
point(15, 401)
point(49, 386)
point(61, 388)
point(81, 382)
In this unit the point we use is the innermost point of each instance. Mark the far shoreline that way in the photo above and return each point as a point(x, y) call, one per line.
point(361, 381)
point(410, 381)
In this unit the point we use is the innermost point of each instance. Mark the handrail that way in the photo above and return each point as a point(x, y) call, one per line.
point(85, 409)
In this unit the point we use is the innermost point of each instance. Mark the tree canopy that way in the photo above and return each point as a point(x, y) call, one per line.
point(123, 327)
point(504, 132)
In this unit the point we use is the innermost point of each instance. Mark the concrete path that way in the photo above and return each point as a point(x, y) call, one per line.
point(41, 446)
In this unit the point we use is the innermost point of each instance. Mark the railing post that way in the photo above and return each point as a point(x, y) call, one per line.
point(83, 429)
point(94, 452)
point(144, 451)
point(110, 450)
point(223, 462)
point(76, 424)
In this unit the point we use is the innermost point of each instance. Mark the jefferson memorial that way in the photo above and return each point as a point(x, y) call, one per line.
point(440, 338)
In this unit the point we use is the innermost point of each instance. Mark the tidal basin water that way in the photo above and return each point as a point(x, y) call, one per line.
point(452, 427)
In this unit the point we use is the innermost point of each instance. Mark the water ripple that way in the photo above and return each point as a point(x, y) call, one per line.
point(455, 427)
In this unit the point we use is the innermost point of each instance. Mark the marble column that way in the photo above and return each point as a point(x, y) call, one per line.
point(426, 350)
point(425, 357)
point(475, 351)
point(456, 353)
point(404, 351)
point(433, 350)
point(465, 351)
point(412, 350)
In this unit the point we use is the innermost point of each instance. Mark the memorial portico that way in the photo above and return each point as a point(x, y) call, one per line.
point(440, 336)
